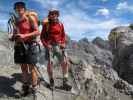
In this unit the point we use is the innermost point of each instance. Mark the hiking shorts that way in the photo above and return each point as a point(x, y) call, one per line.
point(56, 53)
point(26, 53)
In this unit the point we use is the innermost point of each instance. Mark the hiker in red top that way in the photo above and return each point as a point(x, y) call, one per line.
point(53, 38)
point(26, 48)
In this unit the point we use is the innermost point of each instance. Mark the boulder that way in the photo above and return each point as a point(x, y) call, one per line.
point(104, 44)
point(121, 41)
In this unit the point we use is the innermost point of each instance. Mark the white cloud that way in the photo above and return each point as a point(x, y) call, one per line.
point(3, 25)
point(78, 26)
point(104, 0)
point(50, 3)
point(75, 26)
point(108, 24)
point(124, 6)
point(104, 11)
point(85, 4)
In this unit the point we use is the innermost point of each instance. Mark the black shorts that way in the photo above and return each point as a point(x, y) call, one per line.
point(26, 53)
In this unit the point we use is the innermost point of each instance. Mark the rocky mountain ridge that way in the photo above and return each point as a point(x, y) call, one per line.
point(92, 74)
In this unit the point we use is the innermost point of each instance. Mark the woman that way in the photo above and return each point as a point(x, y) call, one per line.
point(53, 38)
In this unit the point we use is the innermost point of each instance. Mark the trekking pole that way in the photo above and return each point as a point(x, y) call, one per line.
point(11, 29)
point(74, 78)
point(71, 70)
point(34, 97)
point(116, 37)
point(52, 94)
point(50, 60)
point(75, 81)
point(45, 83)
point(40, 74)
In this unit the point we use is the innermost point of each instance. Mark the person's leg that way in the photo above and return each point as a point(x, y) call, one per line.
point(62, 59)
point(25, 79)
point(65, 65)
point(25, 69)
point(50, 68)
point(34, 75)
point(19, 58)
point(31, 56)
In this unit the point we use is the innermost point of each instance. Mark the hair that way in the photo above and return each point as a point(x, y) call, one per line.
point(54, 11)
point(19, 4)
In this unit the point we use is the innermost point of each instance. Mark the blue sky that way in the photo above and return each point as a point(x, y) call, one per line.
point(81, 18)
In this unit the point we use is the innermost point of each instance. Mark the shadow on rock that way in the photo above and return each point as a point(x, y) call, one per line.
point(17, 77)
point(6, 88)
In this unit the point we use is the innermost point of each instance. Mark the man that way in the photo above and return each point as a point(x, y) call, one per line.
point(26, 47)
point(53, 38)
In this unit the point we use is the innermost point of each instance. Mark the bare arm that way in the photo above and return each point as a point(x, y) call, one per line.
point(35, 29)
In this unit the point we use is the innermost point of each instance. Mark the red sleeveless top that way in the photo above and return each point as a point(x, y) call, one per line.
point(24, 27)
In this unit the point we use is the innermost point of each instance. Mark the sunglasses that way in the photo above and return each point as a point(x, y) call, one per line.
point(53, 13)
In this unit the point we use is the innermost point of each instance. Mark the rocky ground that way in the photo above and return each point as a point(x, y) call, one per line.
point(91, 74)
point(93, 87)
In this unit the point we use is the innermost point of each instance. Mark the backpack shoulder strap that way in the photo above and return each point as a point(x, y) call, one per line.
point(30, 20)
point(47, 27)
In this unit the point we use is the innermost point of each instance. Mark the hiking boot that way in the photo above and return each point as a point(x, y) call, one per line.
point(25, 90)
point(17, 94)
point(52, 83)
point(34, 92)
point(66, 86)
